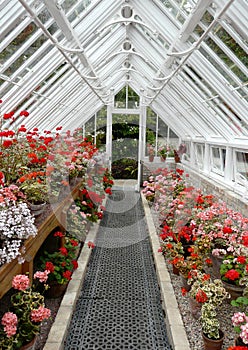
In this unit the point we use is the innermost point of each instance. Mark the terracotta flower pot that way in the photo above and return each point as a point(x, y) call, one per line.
point(56, 290)
point(185, 285)
point(151, 158)
point(195, 308)
point(239, 342)
point(213, 344)
point(30, 345)
point(233, 290)
point(175, 270)
point(36, 209)
point(216, 262)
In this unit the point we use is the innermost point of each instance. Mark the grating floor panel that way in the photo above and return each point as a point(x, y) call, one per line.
point(119, 306)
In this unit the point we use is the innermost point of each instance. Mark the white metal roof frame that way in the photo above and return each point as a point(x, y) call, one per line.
point(101, 45)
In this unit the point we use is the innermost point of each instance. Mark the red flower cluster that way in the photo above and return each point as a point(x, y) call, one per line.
point(232, 275)
point(201, 296)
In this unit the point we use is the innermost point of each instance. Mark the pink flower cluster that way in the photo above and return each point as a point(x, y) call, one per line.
point(21, 282)
point(9, 321)
point(42, 276)
point(240, 319)
point(40, 314)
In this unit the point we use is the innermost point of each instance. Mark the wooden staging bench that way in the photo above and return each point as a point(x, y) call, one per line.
point(55, 216)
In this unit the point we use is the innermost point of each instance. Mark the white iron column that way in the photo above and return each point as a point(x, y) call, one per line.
point(142, 140)
point(228, 172)
point(207, 160)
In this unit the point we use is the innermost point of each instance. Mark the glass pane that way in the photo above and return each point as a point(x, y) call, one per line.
point(28, 53)
point(216, 161)
point(173, 139)
point(125, 136)
point(242, 164)
point(90, 127)
point(232, 45)
point(218, 156)
point(200, 155)
point(101, 125)
point(162, 129)
point(15, 45)
point(120, 98)
point(223, 56)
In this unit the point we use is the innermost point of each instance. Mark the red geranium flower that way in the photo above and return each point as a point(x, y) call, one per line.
point(232, 275)
point(74, 243)
point(241, 259)
point(58, 234)
point(227, 229)
point(201, 296)
point(75, 264)
point(108, 190)
point(49, 266)
point(184, 291)
point(63, 251)
point(67, 274)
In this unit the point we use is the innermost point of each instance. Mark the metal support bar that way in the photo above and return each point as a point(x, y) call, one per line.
point(197, 44)
point(68, 59)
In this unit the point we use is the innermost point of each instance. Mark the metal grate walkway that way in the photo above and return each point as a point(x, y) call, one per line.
point(119, 305)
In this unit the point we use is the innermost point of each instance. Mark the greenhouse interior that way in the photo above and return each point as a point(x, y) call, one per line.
point(123, 174)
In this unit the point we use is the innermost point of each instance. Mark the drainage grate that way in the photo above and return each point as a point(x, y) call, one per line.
point(119, 305)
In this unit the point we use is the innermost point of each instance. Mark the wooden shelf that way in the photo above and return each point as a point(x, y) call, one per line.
point(54, 216)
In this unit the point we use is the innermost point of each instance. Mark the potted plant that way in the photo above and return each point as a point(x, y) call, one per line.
point(240, 323)
point(151, 152)
point(232, 271)
point(16, 223)
point(60, 264)
point(21, 324)
point(240, 317)
point(204, 290)
point(34, 186)
point(214, 294)
point(211, 332)
point(163, 151)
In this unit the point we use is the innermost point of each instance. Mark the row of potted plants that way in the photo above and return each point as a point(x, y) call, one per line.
point(163, 151)
point(37, 168)
point(197, 230)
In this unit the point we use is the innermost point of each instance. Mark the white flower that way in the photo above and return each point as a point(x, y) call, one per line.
point(16, 225)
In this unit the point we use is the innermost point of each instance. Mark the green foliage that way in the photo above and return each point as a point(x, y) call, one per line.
point(126, 168)
point(210, 323)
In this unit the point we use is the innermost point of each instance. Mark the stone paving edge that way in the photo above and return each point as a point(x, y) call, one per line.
point(58, 331)
point(176, 332)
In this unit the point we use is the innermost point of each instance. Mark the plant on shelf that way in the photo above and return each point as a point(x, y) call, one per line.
point(34, 186)
point(27, 310)
point(163, 151)
point(76, 223)
point(210, 323)
point(16, 223)
point(89, 204)
point(62, 262)
point(150, 151)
